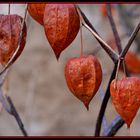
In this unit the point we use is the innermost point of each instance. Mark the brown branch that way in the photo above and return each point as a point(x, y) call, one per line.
point(104, 104)
point(86, 23)
point(8, 104)
point(113, 128)
point(131, 39)
point(14, 112)
point(114, 29)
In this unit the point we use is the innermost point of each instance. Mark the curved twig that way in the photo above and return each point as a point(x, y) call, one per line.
point(8, 104)
point(113, 128)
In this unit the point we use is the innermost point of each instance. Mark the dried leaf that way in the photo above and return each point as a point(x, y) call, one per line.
point(62, 23)
point(125, 97)
point(37, 11)
point(10, 28)
point(83, 76)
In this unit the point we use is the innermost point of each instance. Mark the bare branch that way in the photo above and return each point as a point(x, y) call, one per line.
point(102, 94)
point(131, 39)
point(114, 29)
point(16, 115)
point(113, 128)
point(8, 104)
point(113, 55)
point(104, 104)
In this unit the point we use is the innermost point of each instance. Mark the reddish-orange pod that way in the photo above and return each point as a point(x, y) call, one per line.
point(10, 29)
point(37, 11)
point(83, 76)
point(61, 24)
point(125, 94)
point(133, 62)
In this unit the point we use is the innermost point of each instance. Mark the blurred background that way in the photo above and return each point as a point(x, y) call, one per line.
point(37, 84)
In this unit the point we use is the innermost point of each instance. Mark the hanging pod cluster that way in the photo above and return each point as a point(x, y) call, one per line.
point(62, 23)
point(83, 74)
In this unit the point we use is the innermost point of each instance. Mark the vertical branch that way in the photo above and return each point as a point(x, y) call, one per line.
point(127, 23)
point(102, 94)
point(81, 42)
point(104, 104)
point(114, 29)
point(116, 34)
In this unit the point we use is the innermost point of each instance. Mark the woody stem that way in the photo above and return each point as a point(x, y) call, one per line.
point(81, 42)
point(114, 29)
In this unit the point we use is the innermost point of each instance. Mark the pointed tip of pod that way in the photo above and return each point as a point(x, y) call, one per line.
point(57, 56)
point(87, 106)
point(128, 125)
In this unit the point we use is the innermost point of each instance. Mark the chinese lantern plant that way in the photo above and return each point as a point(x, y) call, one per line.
point(61, 24)
point(36, 11)
point(83, 76)
point(11, 27)
point(125, 94)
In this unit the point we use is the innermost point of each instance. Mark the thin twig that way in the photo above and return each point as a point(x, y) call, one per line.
point(124, 19)
point(4, 102)
point(16, 115)
point(104, 104)
point(102, 94)
point(10, 62)
point(113, 128)
point(8, 104)
point(81, 42)
point(86, 23)
point(114, 29)
point(127, 24)
point(131, 39)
